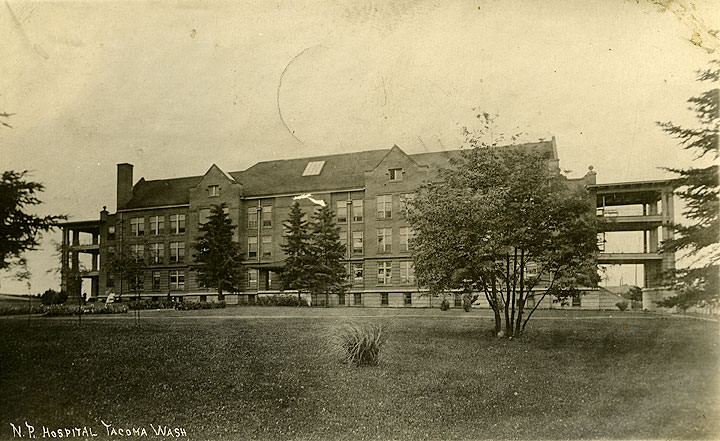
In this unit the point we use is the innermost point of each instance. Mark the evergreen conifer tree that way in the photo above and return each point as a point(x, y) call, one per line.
point(217, 258)
point(698, 188)
point(296, 274)
point(329, 274)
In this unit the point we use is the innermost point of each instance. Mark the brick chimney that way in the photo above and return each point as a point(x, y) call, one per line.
point(591, 176)
point(124, 184)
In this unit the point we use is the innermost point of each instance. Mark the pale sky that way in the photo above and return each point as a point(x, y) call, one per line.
point(173, 87)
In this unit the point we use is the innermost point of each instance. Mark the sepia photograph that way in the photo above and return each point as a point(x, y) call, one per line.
point(360, 220)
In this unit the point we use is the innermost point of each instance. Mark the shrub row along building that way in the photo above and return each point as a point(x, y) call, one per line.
point(159, 221)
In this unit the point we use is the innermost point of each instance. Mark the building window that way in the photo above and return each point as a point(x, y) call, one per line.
point(177, 223)
point(358, 298)
point(252, 218)
point(576, 301)
point(111, 232)
point(267, 217)
point(138, 251)
point(408, 298)
point(601, 241)
point(137, 226)
point(384, 273)
point(384, 241)
point(177, 279)
point(252, 278)
point(177, 252)
point(203, 216)
point(139, 284)
point(407, 272)
point(384, 299)
point(156, 280)
point(406, 235)
point(341, 299)
point(343, 241)
point(341, 212)
point(157, 252)
point(357, 242)
point(252, 247)
point(531, 271)
point(458, 300)
point(357, 210)
point(405, 199)
point(157, 225)
point(357, 272)
point(213, 191)
point(284, 237)
point(384, 206)
point(396, 174)
point(267, 247)
point(110, 283)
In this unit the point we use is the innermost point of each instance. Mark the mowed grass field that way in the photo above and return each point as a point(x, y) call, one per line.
point(16, 300)
point(266, 373)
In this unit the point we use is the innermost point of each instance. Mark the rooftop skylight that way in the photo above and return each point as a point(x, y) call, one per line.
point(313, 168)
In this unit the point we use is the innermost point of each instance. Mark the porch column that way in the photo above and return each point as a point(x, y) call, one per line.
point(668, 214)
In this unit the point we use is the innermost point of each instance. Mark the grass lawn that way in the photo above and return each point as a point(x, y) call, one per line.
point(265, 373)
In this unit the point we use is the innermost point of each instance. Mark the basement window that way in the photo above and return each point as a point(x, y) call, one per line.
point(313, 168)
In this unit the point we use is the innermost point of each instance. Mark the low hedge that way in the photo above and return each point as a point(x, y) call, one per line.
point(280, 300)
point(36, 308)
point(161, 303)
point(188, 306)
point(91, 309)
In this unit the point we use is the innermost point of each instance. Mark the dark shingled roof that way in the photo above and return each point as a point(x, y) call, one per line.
point(341, 171)
point(162, 192)
point(345, 170)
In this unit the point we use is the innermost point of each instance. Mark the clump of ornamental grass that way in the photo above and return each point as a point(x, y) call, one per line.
point(444, 305)
point(359, 343)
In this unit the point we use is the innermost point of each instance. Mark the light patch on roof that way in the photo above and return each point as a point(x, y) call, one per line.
point(313, 168)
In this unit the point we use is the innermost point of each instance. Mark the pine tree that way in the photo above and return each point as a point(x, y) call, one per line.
point(698, 188)
point(20, 229)
point(217, 258)
point(329, 273)
point(296, 274)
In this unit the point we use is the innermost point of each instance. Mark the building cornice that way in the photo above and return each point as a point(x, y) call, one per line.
point(282, 195)
point(161, 207)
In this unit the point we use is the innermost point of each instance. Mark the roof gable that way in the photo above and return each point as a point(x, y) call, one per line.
point(396, 152)
point(214, 175)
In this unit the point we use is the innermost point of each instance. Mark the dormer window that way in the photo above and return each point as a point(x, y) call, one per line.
point(396, 174)
point(213, 191)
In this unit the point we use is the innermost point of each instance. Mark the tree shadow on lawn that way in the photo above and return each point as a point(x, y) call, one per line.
point(578, 375)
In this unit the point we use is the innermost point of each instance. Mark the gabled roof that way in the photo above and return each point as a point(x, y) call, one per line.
point(395, 148)
point(435, 160)
point(223, 172)
point(346, 170)
point(285, 176)
point(162, 192)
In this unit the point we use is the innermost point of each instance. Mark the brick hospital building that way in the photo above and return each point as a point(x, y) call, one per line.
point(159, 220)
